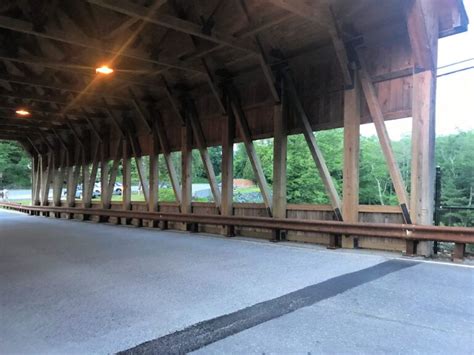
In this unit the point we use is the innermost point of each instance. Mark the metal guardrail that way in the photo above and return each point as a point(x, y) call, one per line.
point(458, 235)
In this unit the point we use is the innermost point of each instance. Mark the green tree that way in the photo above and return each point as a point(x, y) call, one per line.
point(15, 166)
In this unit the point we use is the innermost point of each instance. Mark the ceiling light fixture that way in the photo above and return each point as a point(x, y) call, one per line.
point(22, 112)
point(104, 70)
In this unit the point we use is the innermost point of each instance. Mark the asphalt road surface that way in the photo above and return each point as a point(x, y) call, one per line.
point(80, 287)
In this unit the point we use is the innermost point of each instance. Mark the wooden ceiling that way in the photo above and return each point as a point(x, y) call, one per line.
point(49, 50)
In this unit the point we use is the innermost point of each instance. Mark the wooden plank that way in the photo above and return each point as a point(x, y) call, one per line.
point(251, 152)
point(384, 139)
point(228, 132)
point(421, 16)
point(350, 186)
point(202, 147)
point(314, 148)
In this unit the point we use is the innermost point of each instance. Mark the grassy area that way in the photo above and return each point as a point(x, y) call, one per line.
point(165, 195)
point(26, 202)
point(246, 190)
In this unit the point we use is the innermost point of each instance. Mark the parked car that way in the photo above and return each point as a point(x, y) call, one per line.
point(96, 191)
point(118, 189)
point(78, 192)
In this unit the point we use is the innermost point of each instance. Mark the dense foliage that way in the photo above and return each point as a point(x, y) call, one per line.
point(15, 166)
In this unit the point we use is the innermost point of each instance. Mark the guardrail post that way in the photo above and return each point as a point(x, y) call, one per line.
point(458, 252)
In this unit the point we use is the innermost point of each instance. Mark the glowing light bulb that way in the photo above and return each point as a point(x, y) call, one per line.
point(104, 70)
point(22, 112)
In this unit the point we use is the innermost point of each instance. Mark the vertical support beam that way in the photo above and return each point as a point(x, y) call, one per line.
point(350, 186)
point(37, 180)
point(153, 177)
point(186, 169)
point(90, 177)
point(423, 31)
point(73, 176)
point(104, 174)
point(384, 139)
point(250, 148)
point(34, 166)
point(126, 177)
point(423, 170)
point(46, 168)
point(280, 141)
point(58, 178)
point(113, 175)
point(228, 132)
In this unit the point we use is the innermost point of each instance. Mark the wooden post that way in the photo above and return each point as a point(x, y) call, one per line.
point(126, 180)
point(45, 179)
point(58, 179)
point(104, 174)
point(34, 166)
point(423, 170)
point(126, 177)
point(228, 132)
point(73, 176)
point(36, 180)
point(350, 187)
point(186, 166)
point(280, 140)
point(153, 177)
point(90, 177)
point(422, 21)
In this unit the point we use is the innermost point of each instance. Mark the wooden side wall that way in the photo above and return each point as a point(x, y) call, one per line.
point(367, 213)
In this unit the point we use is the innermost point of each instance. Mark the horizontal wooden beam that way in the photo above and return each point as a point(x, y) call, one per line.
point(134, 10)
point(85, 42)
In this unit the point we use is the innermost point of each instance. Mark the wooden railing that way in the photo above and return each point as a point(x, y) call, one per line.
point(458, 235)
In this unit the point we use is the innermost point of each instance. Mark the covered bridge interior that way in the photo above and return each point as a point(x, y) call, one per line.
point(190, 74)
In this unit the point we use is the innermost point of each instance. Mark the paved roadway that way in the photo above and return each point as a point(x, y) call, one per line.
point(76, 287)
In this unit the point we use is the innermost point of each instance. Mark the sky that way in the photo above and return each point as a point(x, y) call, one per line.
point(455, 92)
